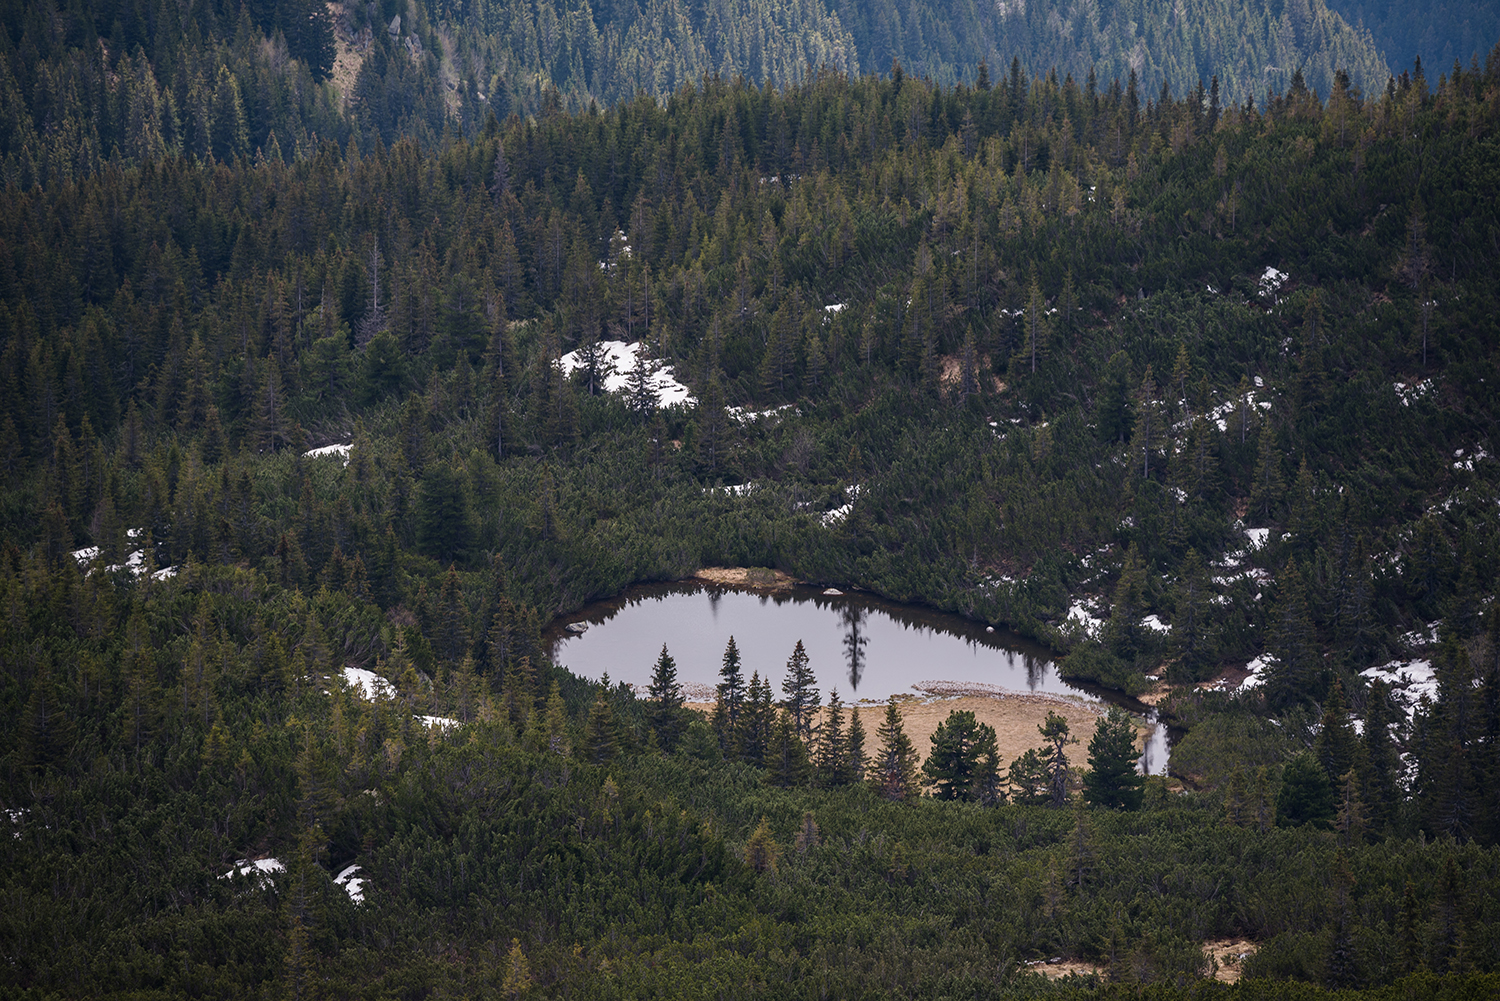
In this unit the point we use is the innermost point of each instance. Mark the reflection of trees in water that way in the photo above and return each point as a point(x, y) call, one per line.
point(852, 617)
point(1035, 668)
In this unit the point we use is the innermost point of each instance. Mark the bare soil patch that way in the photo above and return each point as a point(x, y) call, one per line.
point(1229, 955)
point(1064, 968)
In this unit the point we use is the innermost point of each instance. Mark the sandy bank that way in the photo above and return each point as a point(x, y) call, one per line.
point(1015, 717)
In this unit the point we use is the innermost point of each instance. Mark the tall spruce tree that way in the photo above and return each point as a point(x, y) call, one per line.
point(666, 702)
point(1112, 780)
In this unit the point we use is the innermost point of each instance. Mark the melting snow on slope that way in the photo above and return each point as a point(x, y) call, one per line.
point(339, 450)
point(743, 416)
point(1084, 620)
point(1156, 625)
point(441, 722)
point(369, 684)
point(1410, 681)
point(1459, 462)
point(838, 514)
point(1412, 391)
point(1257, 536)
point(618, 361)
point(1257, 669)
point(259, 868)
point(733, 489)
point(352, 884)
point(135, 563)
point(1271, 281)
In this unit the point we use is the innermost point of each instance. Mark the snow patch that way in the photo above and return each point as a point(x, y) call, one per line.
point(261, 869)
point(840, 513)
point(1407, 392)
point(1257, 536)
point(439, 722)
point(742, 416)
point(1082, 619)
point(617, 361)
point(369, 684)
point(1271, 282)
point(733, 489)
point(1156, 625)
point(1410, 681)
point(1422, 637)
point(352, 884)
point(1257, 669)
point(339, 450)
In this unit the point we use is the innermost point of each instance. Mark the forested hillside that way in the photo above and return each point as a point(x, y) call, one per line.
point(1100, 359)
point(86, 84)
point(1439, 33)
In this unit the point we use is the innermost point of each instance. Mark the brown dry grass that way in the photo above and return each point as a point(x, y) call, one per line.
point(1015, 718)
point(750, 578)
point(1227, 954)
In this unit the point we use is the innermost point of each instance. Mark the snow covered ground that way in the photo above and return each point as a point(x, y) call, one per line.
point(1410, 681)
point(339, 450)
point(838, 514)
point(135, 563)
point(742, 416)
point(619, 360)
point(352, 884)
point(369, 684)
point(1257, 669)
point(259, 868)
point(1082, 619)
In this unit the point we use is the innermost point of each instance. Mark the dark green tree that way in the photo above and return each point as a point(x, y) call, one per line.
point(895, 765)
point(1306, 795)
point(963, 764)
point(729, 700)
point(1112, 780)
point(801, 691)
point(666, 702)
point(443, 514)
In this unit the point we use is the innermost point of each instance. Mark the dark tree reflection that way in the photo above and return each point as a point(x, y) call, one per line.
point(853, 617)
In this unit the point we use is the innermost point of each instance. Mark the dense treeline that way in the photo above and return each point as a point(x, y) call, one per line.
point(1062, 378)
point(86, 84)
point(1441, 33)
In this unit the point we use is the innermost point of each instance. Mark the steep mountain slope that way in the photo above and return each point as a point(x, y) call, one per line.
point(87, 84)
point(1439, 32)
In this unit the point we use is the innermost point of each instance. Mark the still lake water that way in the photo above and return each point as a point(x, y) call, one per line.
point(863, 646)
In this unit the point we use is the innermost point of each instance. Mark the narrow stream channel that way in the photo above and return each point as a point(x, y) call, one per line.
point(863, 646)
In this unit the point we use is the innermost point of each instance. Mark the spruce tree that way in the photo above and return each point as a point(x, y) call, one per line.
point(787, 765)
point(758, 716)
point(1112, 780)
point(801, 691)
point(1055, 732)
point(896, 762)
point(601, 741)
point(729, 700)
point(962, 763)
point(665, 693)
point(833, 746)
point(1306, 795)
point(857, 761)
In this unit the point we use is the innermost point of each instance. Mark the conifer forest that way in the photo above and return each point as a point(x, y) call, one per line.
point(345, 347)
